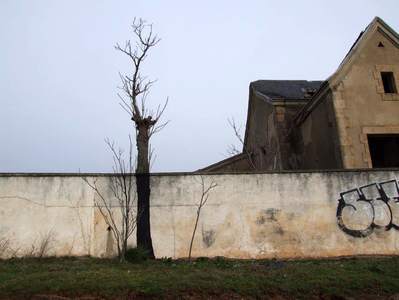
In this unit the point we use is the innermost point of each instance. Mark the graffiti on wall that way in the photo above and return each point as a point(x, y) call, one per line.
point(374, 206)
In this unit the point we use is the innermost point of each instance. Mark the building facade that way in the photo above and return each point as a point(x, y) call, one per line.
point(350, 120)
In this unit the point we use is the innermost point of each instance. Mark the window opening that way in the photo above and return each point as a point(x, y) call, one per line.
point(388, 81)
point(384, 150)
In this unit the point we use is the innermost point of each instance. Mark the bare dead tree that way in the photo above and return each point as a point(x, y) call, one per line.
point(121, 225)
point(233, 150)
point(135, 89)
point(205, 190)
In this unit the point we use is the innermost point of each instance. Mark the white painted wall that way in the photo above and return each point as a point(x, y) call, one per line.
point(281, 215)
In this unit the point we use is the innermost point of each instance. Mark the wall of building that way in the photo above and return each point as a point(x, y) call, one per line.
point(262, 139)
point(285, 113)
point(315, 140)
point(271, 215)
point(236, 163)
point(361, 105)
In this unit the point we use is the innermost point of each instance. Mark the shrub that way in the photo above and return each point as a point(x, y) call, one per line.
point(136, 255)
point(167, 260)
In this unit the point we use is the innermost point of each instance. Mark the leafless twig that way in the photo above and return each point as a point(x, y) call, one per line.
point(45, 244)
point(136, 87)
point(205, 190)
point(4, 246)
point(232, 149)
point(122, 188)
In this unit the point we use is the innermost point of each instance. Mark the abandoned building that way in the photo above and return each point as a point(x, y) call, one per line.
point(350, 120)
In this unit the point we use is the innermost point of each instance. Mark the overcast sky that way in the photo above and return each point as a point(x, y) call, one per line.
point(59, 72)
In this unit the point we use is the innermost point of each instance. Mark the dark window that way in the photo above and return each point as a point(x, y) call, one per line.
point(389, 82)
point(384, 150)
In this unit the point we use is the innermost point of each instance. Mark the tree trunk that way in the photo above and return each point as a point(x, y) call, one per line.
point(143, 230)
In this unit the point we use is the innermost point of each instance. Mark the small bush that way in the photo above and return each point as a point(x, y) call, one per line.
point(222, 262)
point(202, 259)
point(166, 260)
point(136, 255)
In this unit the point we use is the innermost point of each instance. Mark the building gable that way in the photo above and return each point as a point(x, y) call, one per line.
point(376, 27)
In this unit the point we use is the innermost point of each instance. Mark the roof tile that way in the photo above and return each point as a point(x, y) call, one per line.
point(285, 89)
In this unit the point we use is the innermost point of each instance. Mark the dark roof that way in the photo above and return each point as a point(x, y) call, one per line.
point(285, 89)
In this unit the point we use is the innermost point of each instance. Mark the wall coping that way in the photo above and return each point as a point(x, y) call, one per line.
point(99, 174)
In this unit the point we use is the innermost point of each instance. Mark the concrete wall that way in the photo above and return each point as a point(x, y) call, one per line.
point(271, 215)
point(34, 208)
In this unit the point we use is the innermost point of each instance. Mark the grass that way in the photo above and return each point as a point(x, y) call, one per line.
point(355, 277)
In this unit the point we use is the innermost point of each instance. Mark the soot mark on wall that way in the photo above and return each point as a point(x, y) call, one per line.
point(270, 216)
point(208, 237)
point(109, 248)
point(373, 206)
point(260, 220)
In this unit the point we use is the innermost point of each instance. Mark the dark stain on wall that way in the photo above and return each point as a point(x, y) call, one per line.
point(109, 248)
point(272, 213)
point(269, 217)
point(261, 220)
point(208, 237)
point(278, 230)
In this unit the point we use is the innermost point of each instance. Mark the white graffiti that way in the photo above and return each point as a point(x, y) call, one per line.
point(363, 209)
